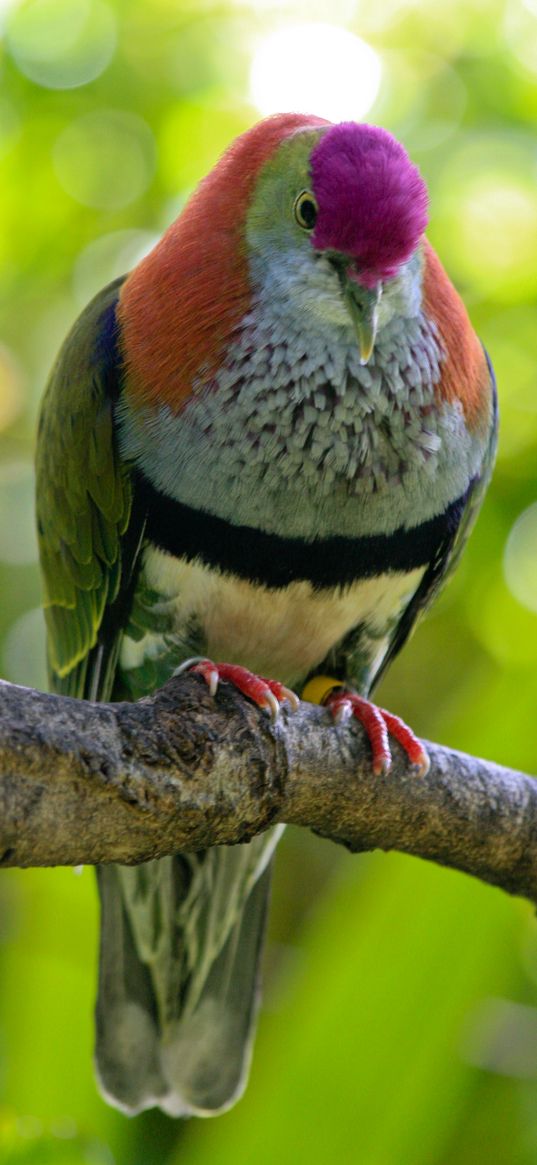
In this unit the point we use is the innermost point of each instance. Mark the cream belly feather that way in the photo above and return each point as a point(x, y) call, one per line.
point(280, 633)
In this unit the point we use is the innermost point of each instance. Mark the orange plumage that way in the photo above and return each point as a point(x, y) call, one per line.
point(171, 331)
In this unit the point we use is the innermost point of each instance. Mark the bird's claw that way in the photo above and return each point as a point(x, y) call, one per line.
point(281, 694)
point(267, 694)
point(342, 711)
point(378, 723)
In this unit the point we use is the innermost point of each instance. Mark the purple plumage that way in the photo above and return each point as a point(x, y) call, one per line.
point(372, 199)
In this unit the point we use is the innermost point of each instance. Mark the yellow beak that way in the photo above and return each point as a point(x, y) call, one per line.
point(363, 305)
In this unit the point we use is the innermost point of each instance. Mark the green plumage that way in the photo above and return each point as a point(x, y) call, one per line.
point(180, 938)
point(84, 499)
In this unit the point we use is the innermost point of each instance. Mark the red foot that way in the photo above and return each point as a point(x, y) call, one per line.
point(268, 694)
point(378, 723)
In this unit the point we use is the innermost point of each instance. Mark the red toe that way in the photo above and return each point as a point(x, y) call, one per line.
point(408, 741)
point(267, 694)
point(377, 723)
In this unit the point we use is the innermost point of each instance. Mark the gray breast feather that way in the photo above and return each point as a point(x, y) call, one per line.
point(312, 444)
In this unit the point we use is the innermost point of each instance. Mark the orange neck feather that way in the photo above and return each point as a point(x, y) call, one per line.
point(180, 306)
point(465, 374)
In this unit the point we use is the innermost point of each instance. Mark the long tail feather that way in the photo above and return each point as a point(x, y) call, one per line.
point(181, 941)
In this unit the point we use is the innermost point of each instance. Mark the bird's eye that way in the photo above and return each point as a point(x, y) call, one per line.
point(306, 210)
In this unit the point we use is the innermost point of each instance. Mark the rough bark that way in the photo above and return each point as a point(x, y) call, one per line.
point(87, 783)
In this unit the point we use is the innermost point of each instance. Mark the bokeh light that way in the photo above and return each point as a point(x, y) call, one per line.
point(431, 99)
point(520, 558)
point(497, 609)
point(486, 205)
point(61, 44)
point(107, 258)
point(315, 68)
point(521, 31)
point(105, 159)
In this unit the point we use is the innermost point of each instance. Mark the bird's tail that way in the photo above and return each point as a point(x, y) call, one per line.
point(181, 940)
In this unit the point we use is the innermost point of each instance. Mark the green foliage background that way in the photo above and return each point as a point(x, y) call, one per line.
point(399, 1023)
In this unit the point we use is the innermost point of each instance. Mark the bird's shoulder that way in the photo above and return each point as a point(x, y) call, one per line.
point(84, 491)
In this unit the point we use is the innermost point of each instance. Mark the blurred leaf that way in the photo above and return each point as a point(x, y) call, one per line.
point(377, 965)
point(364, 1062)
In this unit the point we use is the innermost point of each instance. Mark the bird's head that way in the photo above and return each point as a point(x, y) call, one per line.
point(323, 221)
point(335, 224)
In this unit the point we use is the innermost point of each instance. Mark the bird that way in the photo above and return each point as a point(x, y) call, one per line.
point(260, 454)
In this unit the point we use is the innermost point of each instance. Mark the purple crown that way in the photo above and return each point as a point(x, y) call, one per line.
point(372, 200)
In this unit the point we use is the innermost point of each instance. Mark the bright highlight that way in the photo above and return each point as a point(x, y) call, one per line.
point(315, 68)
point(520, 559)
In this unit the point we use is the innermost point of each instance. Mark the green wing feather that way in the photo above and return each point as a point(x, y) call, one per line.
point(84, 500)
point(181, 938)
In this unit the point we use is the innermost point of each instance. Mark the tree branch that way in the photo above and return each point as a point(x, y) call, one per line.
point(82, 783)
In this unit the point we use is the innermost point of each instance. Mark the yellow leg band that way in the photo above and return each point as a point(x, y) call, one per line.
point(318, 688)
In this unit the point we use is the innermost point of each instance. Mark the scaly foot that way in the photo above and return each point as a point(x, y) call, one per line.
point(267, 694)
point(378, 723)
point(345, 704)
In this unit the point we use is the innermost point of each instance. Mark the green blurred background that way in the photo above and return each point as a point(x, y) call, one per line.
point(400, 1005)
